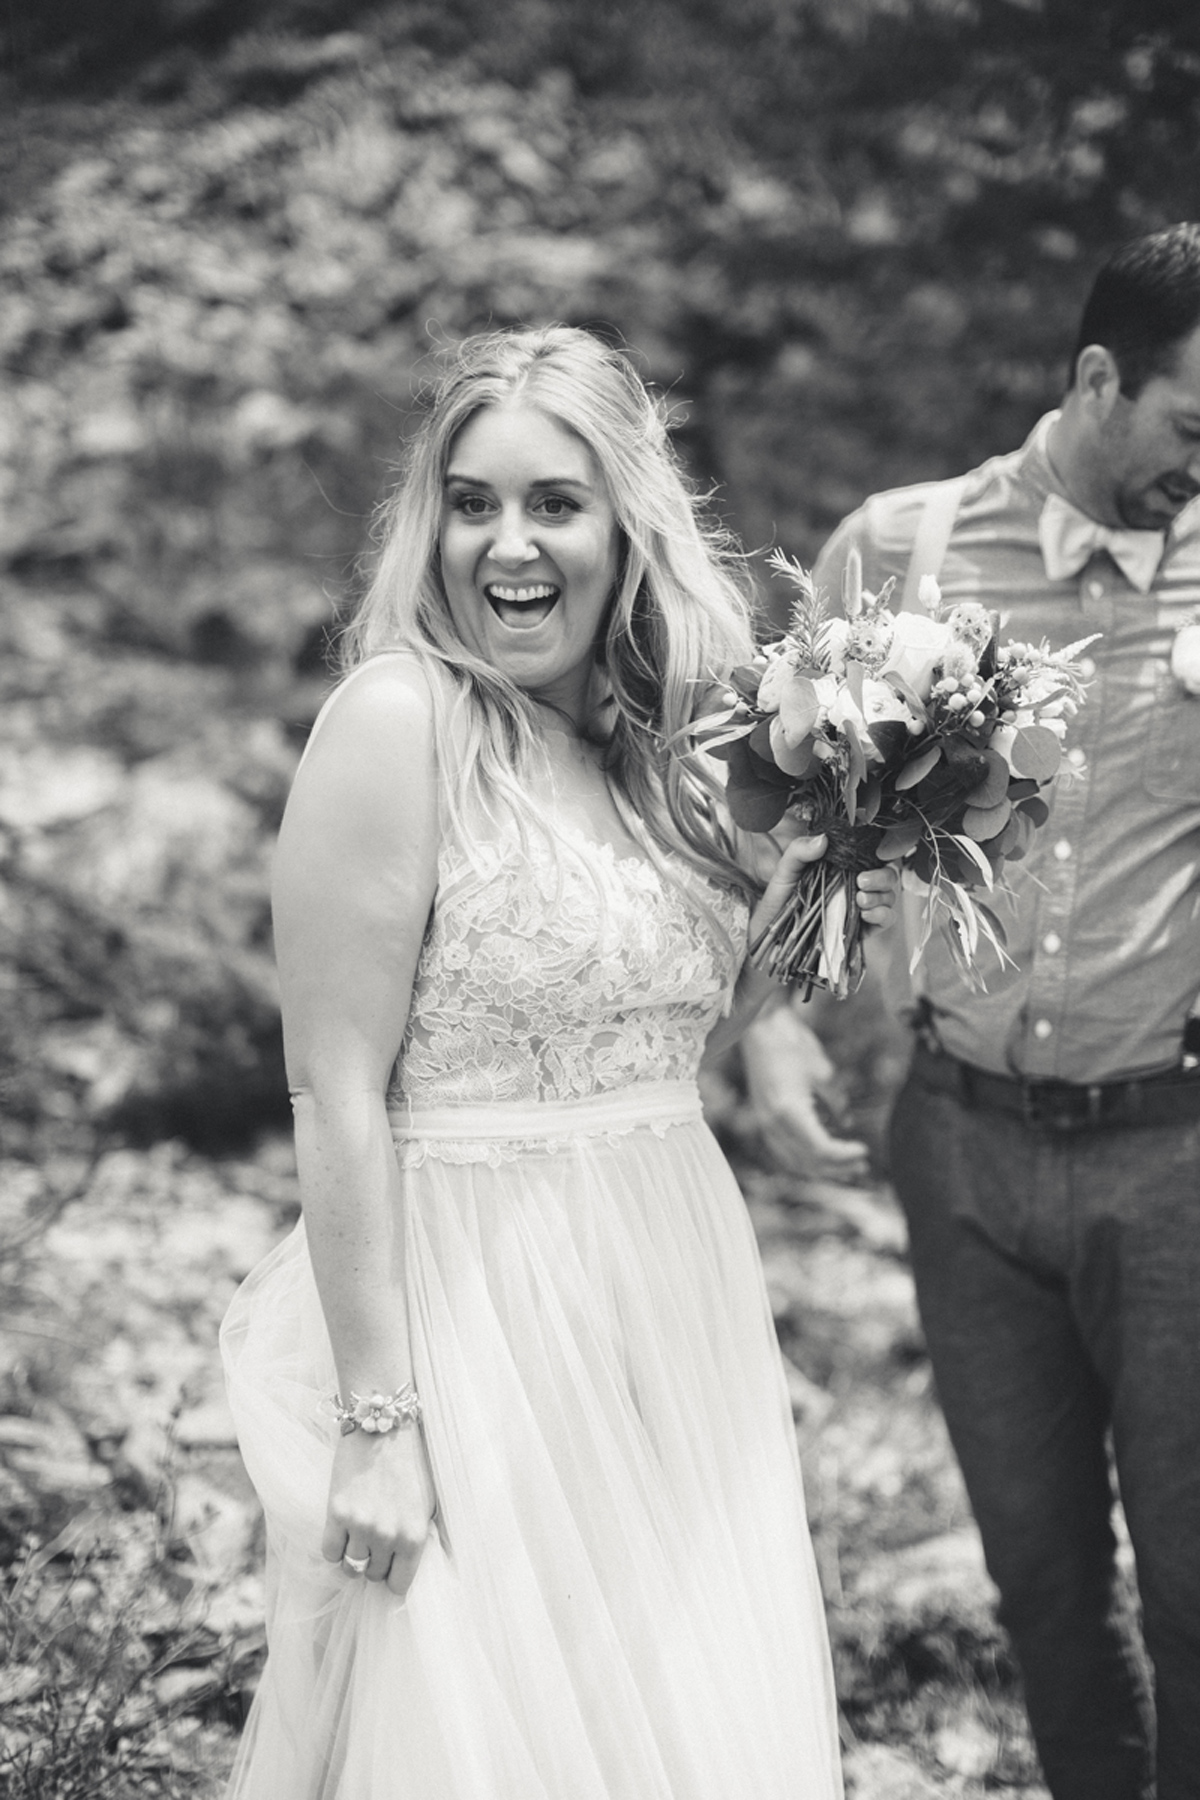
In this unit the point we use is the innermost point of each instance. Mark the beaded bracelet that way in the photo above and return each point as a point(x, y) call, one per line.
point(378, 1412)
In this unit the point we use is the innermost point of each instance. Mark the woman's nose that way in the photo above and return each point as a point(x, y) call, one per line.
point(511, 545)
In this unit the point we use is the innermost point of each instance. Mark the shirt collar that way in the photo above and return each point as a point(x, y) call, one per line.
point(1036, 469)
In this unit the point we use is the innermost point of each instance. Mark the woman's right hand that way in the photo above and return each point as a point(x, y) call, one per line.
point(381, 1504)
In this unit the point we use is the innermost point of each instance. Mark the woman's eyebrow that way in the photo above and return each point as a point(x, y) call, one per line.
point(457, 478)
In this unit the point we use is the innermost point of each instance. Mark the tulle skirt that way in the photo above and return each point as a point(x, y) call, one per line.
point(621, 1602)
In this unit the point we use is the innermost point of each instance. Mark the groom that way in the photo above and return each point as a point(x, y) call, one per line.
point(1046, 1147)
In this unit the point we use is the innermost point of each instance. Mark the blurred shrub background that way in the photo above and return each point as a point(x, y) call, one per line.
point(849, 238)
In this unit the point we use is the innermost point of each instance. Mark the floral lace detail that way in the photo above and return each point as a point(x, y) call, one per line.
point(549, 979)
point(411, 1153)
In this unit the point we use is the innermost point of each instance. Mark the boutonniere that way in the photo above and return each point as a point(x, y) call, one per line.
point(1185, 653)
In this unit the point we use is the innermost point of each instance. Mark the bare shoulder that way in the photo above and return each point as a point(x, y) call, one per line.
point(369, 774)
point(388, 701)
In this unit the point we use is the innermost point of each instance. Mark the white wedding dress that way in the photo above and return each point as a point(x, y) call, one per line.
point(621, 1602)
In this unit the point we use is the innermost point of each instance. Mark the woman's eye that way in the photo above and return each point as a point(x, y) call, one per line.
point(557, 506)
point(474, 506)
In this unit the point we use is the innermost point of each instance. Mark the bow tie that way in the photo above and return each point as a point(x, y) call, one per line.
point(1068, 538)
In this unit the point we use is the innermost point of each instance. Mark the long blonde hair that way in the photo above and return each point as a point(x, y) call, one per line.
point(680, 614)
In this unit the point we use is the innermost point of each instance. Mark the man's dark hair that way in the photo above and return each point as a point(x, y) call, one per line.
point(1145, 301)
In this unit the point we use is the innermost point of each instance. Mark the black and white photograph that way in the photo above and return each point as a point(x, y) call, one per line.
point(600, 900)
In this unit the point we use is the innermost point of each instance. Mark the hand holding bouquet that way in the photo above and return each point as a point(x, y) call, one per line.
point(910, 737)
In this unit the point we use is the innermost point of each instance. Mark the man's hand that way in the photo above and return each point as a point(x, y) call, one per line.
point(786, 1070)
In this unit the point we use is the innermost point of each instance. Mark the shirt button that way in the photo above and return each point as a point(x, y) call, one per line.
point(1052, 943)
point(1095, 590)
point(1087, 667)
point(1076, 757)
point(1042, 1029)
point(1062, 850)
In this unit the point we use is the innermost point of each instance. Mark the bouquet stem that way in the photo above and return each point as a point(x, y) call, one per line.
point(815, 940)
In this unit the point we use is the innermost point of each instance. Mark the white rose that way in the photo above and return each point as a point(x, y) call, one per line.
point(828, 688)
point(843, 708)
point(1185, 657)
point(881, 701)
point(918, 645)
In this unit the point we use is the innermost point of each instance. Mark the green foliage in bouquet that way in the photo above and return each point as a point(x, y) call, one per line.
point(912, 737)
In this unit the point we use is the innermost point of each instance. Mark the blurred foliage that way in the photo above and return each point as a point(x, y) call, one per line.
point(849, 237)
point(104, 1670)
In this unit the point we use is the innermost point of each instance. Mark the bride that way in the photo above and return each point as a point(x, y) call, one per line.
point(510, 1393)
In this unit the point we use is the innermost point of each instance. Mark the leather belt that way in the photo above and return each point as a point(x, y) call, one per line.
point(1171, 1097)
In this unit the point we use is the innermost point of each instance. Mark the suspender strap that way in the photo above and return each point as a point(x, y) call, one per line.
point(933, 534)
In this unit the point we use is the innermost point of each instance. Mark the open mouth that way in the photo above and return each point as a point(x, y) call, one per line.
point(522, 607)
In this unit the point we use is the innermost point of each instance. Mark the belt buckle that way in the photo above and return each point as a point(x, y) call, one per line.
point(1033, 1103)
point(1058, 1106)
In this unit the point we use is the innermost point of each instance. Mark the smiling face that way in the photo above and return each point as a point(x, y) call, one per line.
point(529, 550)
point(1149, 447)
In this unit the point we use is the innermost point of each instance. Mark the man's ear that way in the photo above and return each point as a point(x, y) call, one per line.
point(1097, 382)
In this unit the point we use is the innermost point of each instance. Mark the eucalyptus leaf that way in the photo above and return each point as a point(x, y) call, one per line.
point(1036, 752)
point(983, 823)
point(977, 857)
point(1034, 809)
point(799, 709)
point(918, 768)
point(899, 840)
point(994, 786)
point(756, 808)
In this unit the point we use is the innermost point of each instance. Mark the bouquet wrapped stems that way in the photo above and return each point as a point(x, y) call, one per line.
point(816, 938)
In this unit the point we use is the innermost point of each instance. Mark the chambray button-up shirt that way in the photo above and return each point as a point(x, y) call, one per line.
point(1103, 917)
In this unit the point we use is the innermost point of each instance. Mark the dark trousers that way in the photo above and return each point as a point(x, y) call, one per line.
point(1058, 1278)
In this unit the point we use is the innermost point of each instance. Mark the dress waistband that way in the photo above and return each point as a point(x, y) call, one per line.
point(652, 1103)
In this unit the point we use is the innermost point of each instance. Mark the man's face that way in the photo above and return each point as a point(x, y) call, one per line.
point(1150, 447)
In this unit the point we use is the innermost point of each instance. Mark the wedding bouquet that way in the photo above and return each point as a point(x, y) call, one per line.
point(910, 737)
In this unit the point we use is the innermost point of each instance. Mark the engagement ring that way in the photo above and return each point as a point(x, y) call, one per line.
point(357, 1563)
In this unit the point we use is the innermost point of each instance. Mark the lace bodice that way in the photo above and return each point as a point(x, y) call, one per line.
point(548, 978)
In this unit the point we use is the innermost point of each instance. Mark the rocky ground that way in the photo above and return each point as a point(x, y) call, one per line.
point(132, 1611)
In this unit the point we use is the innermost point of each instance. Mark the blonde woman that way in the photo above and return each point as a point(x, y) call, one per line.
point(510, 1392)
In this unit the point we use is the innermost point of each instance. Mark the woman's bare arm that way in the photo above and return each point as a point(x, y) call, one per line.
point(354, 879)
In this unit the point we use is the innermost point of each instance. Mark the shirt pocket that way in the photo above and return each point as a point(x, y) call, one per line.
point(1171, 770)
